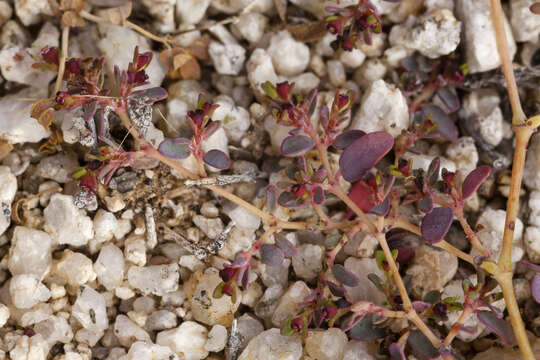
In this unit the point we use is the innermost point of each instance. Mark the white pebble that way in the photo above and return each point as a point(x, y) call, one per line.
point(26, 291)
point(297, 58)
point(66, 223)
point(217, 338)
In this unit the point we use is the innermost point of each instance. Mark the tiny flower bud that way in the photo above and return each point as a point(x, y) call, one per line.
point(227, 273)
point(197, 116)
point(50, 55)
point(347, 45)
point(73, 66)
point(284, 90)
point(334, 27)
point(270, 90)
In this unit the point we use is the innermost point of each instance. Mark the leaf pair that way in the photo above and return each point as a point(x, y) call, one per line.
point(273, 255)
point(179, 148)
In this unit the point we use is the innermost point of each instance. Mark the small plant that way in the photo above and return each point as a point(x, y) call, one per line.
point(382, 180)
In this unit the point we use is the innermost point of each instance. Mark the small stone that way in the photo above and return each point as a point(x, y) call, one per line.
point(74, 268)
point(135, 250)
point(4, 314)
point(211, 227)
point(522, 289)
point(58, 167)
point(464, 154)
point(260, 69)
point(534, 205)
point(217, 339)
point(127, 332)
point(30, 252)
point(26, 291)
point(90, 310)
point(228, 59)
point(191, 11)
point(114, 203)
point(481, 109)
point(269, 301)
point(479, 35)
point(251, 26)
point(370, 71)
point(187, 341)
point(361, 245)
point(54, 329)
point(7, 194)
point(66, 223)
point(161, 320)
point(383, 108)
point(104, 225)
point(365, 290)
point(5, 12)
point(271, 345)
point(17, 126)
point(307, 263)
point(204, 307)
point(358, 350)
point(336, 73)
point(531, 173)
point(209, 209)
point(244, 219)
point(251, 296)
point(275, 275)
point(46, 197)
point(297, 58)
point(326, 344)
point(142, 350)
point(352, 59)
point(525, 27)
point(30, 11)
point(431, 269)
point(154, 279)
point(491, 234)
point(434, 34)
point(532, 245)
point(27, 348)
point(289, 304)
point(109, 266)
point(234, 119)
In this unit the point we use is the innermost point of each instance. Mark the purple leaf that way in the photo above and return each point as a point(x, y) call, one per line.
point(288, 200)
point(312, 101)
point(365, 331)
point(433, 297)
point(426, 204)
point(286, 246)
point(449, 99)
point(498, 326)
point(335, 289)
point(445, 126)
point(363, 154)
point(318, 195)
point(535, 287)
point(149, 96)
point(422, 345)
point(218, 159)
point(396, 352)
point(381, 209)
point(271, 255)
point(296, 145)
point(433, 170)
point(175, 148)
point(211, 128)
point(530, 265)
point(436, 224)
point(420, 306)
point(376, 281)
point(345, 276)
point(473, 181)
point(347, 138)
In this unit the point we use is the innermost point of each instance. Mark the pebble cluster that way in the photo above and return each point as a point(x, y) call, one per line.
point(101, 283)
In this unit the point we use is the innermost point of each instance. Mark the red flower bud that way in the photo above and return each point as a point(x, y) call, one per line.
point(297, 324)
point(347, 45)
point(227, 273)
point(50, 55)
point(73, 66)
point(197, 116)
point(334, 27)
point(284, 90)
point(143, 60)
point(228, 289)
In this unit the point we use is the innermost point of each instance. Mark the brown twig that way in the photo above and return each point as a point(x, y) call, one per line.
point(62, 61)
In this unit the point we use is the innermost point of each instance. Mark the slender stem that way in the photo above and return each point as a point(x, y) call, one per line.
point(97, 19)
point(523, 134)
point(239, 201)
point(469, 232)
point(403, 224)
point(338, 191)
point(505, 282)
point(497, 17)
point(63, 57)
point(523, 130)
point(454, 331)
